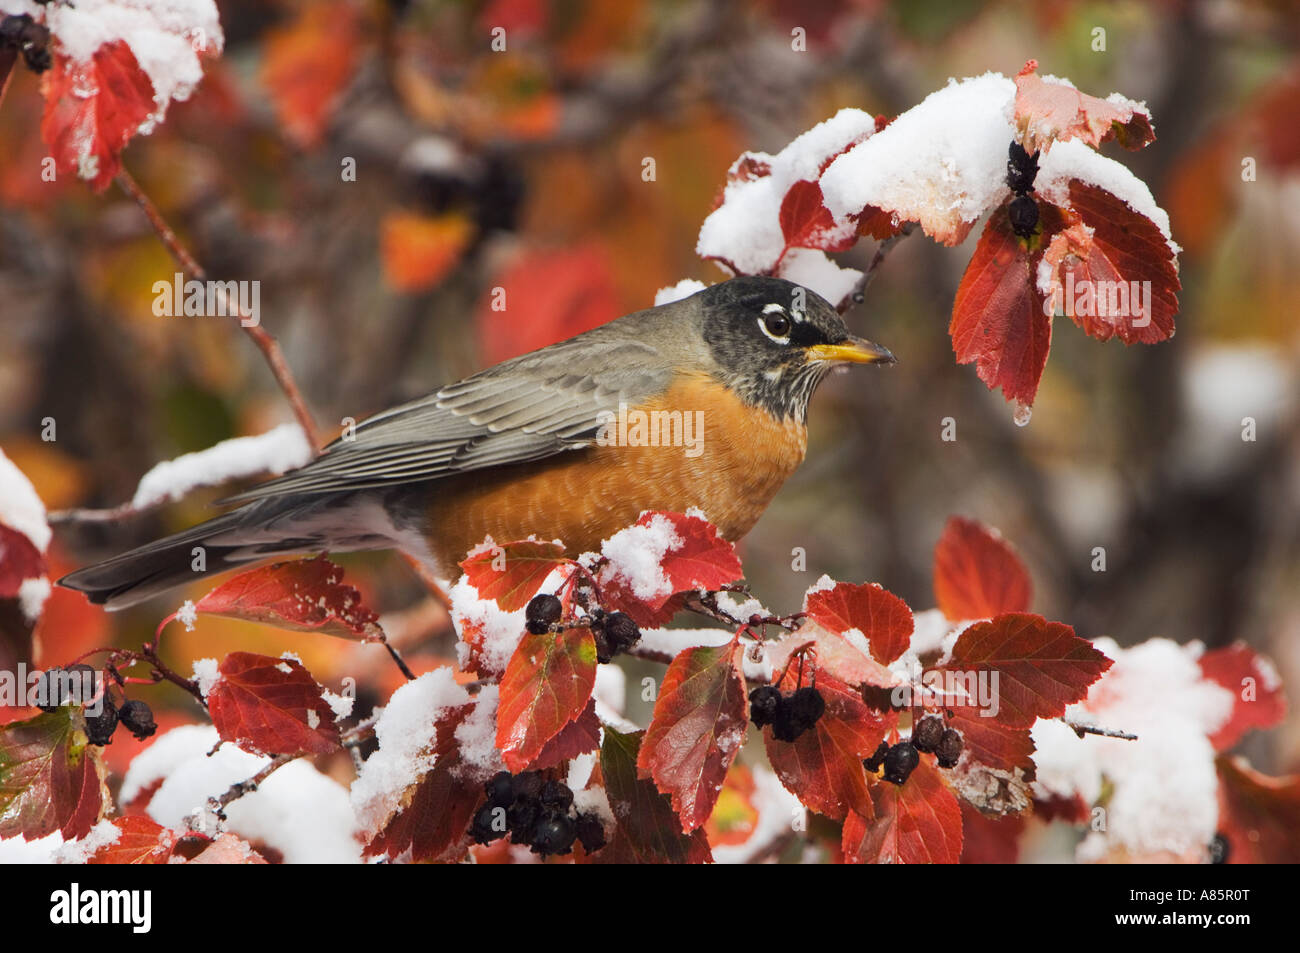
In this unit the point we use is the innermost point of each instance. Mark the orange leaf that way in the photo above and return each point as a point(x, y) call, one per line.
point(1047, 112)
point(697, 729)
point(418, 250)
point(977, 574)
point(271, 706)
point(87, 132)
point(307, 64)
point(307, 595)
point(877, 613)
point(547, 684)
point(915, 823)
point(511, 573)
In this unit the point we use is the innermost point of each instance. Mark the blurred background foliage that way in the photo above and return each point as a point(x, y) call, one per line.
point(522, 169)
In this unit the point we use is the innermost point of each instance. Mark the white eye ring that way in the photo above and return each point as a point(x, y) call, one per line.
point(770, 311)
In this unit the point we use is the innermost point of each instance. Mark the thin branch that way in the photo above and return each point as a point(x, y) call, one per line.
point(240, 788)
point(859, 292)
point(1082, 730)
point(268, 345)
point(425, 576)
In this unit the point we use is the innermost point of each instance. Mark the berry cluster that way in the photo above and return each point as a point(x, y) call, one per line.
point(1022, 169)
point(59, 687)
point(535, 812)
point(789, 715)
point(28, 37)
point(930, 736)
point(614, 631)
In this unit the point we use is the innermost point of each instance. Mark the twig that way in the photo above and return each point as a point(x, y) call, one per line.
point(240, 788)
point(1082, 730)
point(858, 294)
point(109, 515)
point(397, 657)
point(426, 577)
point(268, 345)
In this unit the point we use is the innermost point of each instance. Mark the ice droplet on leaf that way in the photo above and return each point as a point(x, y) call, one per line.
point(1023, 413)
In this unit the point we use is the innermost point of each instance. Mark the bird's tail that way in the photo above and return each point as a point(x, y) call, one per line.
point(260, 530)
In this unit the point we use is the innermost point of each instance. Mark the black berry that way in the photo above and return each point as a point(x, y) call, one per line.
point(591, 831)
point(807, 706)
point(764, 702)
point(949, 748)
point(137, 718)
point(604, 652)
point(100, 727)
point(47, 690)
point(500, 789)
point(620, 631)
point(873, 763)
point(1219, 849)
point(554, 835)
point(900, 762)
point(523, 817)
point(528, 786)
point(542, 612)
point(1022, 168)
point(928, 731)
point(556, 796)
point(1024, 215)
point(486, 827)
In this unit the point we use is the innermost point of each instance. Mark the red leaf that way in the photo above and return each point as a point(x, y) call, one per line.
point(20, 560)
point(997, 317)
point(51, 778)
point(646, 829)
point(1041, 666)
point(139, 841)
point(92, 108)
point(915, 823)
point(306, 65)
point(1047, 112)
point(307, 595)
point(546, 685)
point(823, 766)
point(807, 223)
point(993, 744)
point(1258, 701)
point(977, 574)
point(989, 840)
point(1259, 815)
point(545, 297)
point(271, 706)
point(1107, 264)
point(699, 559)
point(433, 821)
point(834, 654)
point(697, 730)
point(877, 613)
point(511, 573)
point(577, 737)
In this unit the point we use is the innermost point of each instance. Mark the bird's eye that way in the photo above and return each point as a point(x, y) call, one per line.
point(776, 325)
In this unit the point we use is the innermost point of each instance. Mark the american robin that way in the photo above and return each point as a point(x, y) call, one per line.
point(698, 403)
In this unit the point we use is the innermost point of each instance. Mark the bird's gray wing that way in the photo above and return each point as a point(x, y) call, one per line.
point(534, 406)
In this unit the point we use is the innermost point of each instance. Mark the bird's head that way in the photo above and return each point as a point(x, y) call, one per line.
point(775, 340)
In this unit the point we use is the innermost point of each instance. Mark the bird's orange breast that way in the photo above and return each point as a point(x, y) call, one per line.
point(695, 445)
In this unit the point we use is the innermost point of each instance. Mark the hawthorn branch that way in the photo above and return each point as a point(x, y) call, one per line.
point(265, 342)
point(1081, 730)
point(248, 786)
point(859, 292)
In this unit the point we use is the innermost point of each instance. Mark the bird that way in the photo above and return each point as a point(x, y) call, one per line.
point(698, 403)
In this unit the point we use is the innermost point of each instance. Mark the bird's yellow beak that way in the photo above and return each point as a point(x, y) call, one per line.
point(852, 351)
